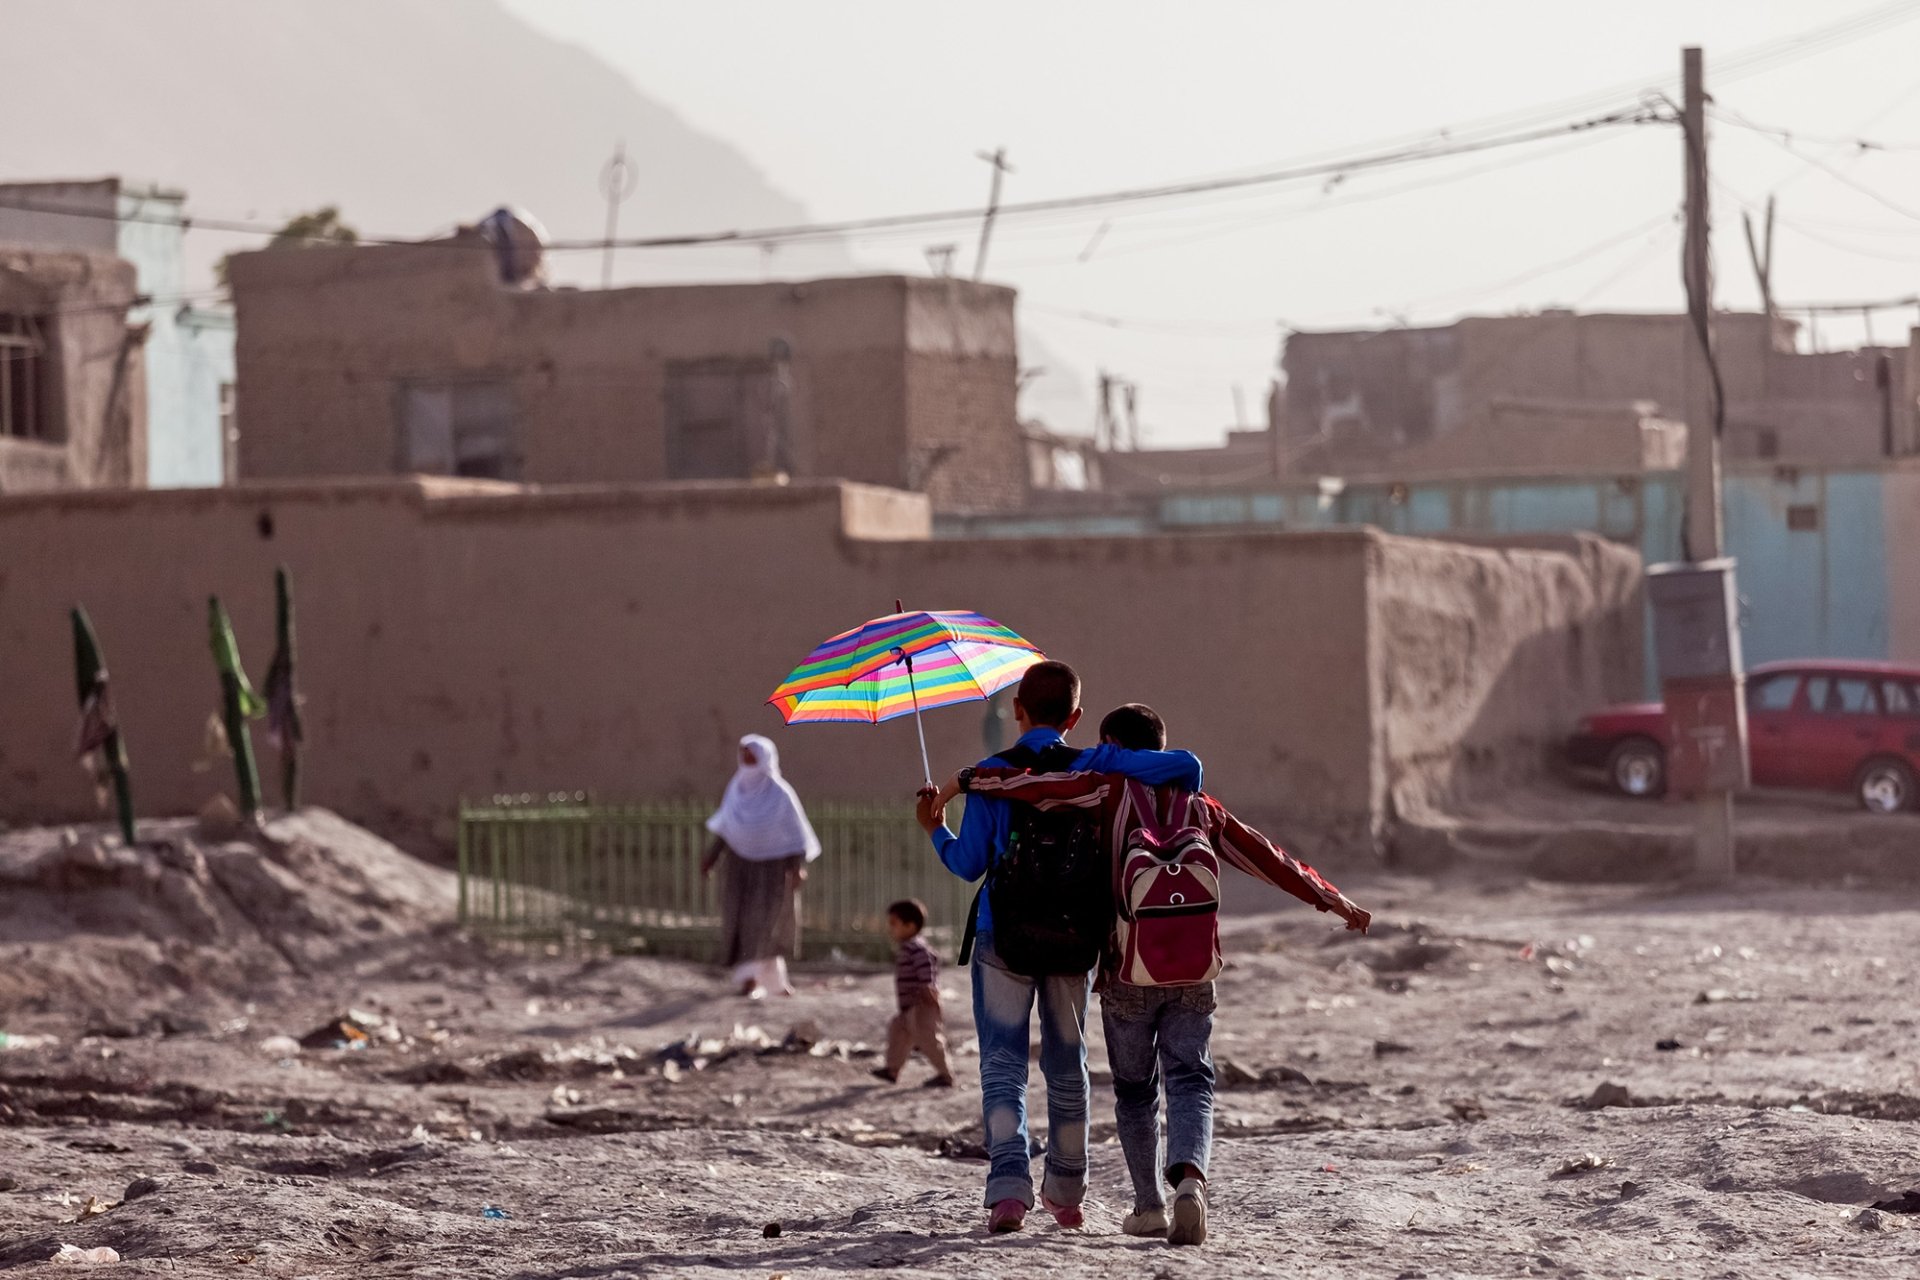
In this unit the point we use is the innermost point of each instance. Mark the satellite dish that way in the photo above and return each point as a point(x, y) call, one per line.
point(519, 244)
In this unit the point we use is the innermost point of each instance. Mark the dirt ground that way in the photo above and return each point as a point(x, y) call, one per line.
point(1401, 1105)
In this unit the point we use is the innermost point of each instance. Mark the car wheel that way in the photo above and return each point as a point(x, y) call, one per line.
point(1885, 786)
point(1638, 768)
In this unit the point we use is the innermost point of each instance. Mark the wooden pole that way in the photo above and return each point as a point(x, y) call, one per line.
point(1703, 528)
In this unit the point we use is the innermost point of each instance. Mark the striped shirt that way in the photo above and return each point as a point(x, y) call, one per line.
point(915, 969)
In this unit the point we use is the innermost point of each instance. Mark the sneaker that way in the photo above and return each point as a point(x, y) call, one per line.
point(1189, 1213)
point(1067, 1215)
point(1008, 1215)
point(939, 1082)
point(1151, 1221)
point(881, 1073)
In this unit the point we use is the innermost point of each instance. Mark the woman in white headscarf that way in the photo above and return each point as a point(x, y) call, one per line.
point(764, 837)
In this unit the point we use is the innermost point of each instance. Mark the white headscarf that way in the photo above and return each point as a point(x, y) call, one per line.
point(760, 817)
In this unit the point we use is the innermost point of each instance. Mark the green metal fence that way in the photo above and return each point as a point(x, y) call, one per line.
point(562, 870)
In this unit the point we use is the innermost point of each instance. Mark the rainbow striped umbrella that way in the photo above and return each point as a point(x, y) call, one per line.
point(904, 662)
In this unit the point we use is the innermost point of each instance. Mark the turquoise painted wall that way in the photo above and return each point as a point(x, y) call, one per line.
point(189, 351)
point(1819, 590)
point(1815, 548)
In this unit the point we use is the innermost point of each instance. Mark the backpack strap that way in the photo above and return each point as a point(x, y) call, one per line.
point(973, 925)
point(1020, 758)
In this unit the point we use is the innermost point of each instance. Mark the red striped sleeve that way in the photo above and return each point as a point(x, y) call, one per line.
point(1254, 854)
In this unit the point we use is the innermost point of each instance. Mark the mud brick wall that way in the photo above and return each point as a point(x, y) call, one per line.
point(466, 638)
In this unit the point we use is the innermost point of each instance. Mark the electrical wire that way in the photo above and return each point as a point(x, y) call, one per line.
point(1786, 145)
point(1324, 204)
point(1727, 115)
point(1637, 114)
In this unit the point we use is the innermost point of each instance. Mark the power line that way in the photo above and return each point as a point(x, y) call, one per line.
point(1840, 177)
point(1212, 227)
point(1458, 140)
point(1850, 308)
point(1637, 114)
point(1726, 115)
point(1215, 329)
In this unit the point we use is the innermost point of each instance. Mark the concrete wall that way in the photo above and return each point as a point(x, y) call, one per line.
point(189, 349)
point(97, 369)
point(1354, 400)
point(1488, 655)
point(894, 381)
point(461, 639)
point(35, 213)
point(1548, 436)
point(197, 377)
point(1829, 557)
point(1900, 505)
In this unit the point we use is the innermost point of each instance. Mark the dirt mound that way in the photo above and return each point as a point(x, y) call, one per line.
point(92, 923)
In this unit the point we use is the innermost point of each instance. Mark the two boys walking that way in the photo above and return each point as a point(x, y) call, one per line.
point(1053, 830)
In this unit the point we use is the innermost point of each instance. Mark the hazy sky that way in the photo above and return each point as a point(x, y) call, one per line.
point(863, 107)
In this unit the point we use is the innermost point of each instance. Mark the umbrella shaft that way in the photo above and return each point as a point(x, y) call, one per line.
point(926, 766)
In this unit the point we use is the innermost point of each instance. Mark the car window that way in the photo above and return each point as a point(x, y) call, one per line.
point(1774, 694)
point(1899, 698)
point(1849, 696)
point(1817, 690)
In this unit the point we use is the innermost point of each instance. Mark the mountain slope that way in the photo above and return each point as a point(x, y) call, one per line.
point(411, 115)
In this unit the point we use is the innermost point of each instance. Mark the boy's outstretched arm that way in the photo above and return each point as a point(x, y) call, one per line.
point(1256, 855)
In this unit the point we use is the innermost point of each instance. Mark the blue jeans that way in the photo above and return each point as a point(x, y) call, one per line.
point(1002, 1014)
point(1151, 1030)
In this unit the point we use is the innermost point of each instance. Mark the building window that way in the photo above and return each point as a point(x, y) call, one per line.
point(721, 420)
point(26, 380)
point(461, 428)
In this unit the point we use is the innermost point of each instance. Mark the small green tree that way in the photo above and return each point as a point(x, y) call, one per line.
point(303, 231)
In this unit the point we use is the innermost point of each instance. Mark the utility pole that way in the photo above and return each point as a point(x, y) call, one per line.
point(1760, 253)
point(1103, 414)
point(1703, 529)
point(1000, 167)
point(618, 181)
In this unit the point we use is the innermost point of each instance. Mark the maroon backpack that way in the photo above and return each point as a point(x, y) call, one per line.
point(1167, 889)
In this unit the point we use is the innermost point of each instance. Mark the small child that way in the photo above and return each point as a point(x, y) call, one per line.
point(920, 1024)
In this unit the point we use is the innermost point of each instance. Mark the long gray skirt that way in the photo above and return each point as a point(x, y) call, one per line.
point(759, 909)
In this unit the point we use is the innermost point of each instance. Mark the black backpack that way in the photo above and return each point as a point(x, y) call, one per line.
point(1051, 889)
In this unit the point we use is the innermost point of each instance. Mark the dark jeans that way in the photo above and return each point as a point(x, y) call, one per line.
point(1003, 1004)
point(1151, 1030)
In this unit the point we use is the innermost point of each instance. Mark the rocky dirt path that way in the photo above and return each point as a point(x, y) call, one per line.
point(1401, 1105)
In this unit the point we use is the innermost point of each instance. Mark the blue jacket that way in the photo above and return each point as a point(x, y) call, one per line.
point(988, 821)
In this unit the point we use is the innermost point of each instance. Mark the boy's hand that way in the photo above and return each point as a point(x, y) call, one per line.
point(1357, 920)
point(930, 810)
point(948, 790)
point(930, 996)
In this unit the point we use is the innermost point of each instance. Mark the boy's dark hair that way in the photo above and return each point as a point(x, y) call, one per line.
point(1136, 726)
point(1050, 692)
point(910, 911)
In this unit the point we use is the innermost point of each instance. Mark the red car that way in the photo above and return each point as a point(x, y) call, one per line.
point(1812, 726)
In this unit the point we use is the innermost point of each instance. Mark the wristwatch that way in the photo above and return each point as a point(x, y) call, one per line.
point(966, 780)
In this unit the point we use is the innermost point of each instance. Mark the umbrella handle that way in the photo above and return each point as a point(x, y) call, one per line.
point(926, 767)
